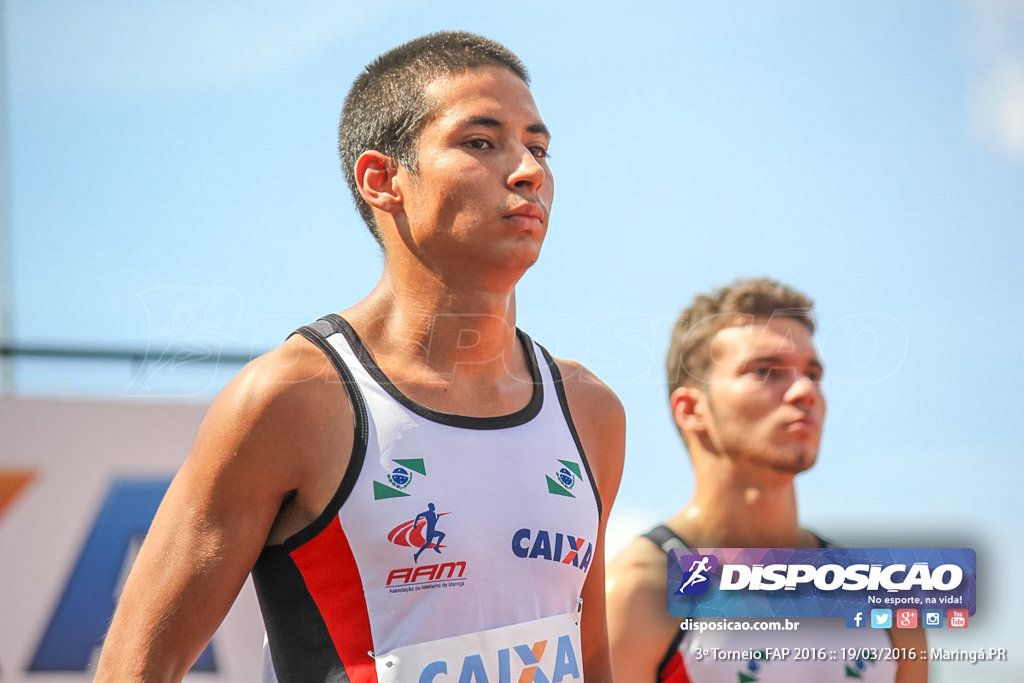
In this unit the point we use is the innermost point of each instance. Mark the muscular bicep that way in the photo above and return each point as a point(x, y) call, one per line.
point(253, 452)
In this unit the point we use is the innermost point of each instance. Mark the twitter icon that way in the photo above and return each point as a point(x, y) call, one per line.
point(881, 618)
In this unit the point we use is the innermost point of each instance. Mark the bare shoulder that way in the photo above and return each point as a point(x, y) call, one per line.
point(586, 391)
point(600, 422)
point(267, 458)
point(282, 391)
point(281, 424)
point(640, 630)
point(638, 573)
point(286, 378)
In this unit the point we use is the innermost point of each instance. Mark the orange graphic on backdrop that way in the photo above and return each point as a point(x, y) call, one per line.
point(12, 484)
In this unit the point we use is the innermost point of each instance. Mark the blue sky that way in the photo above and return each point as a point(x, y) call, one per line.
point(174, 183)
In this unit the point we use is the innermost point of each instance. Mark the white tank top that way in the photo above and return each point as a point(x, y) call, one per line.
point(471, 534)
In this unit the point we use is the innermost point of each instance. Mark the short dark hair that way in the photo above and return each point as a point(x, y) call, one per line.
point(386, 108)
point(689, 351)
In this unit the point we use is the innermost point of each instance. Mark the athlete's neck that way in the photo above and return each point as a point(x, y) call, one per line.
point(449, 350)
point(726, 515)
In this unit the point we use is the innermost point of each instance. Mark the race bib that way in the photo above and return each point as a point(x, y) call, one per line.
point(542, 651)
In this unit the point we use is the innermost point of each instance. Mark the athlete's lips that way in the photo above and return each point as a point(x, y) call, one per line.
point(804, 423)
point(530, 212)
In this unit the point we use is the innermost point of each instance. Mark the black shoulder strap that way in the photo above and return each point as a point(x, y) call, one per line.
point(323, 327)
point(822, 543)
point(665, 538)
point(317, 333)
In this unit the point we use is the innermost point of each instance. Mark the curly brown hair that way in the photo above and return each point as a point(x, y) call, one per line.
point(689, 351)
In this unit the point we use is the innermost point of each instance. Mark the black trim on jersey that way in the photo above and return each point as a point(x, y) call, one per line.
point(521, 416)
point(315, 333)
point(672, 649)
point(301, 648)
point(556, 377)
point(666, 539)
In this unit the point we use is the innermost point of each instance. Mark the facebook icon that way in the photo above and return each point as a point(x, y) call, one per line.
point(856, 619)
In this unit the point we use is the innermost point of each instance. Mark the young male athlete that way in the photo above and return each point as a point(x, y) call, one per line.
point(745, 393)
point(314, 465)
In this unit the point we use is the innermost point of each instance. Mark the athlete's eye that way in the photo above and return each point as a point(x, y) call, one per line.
point(540, 152)
point(770, 373)
point(479, 143)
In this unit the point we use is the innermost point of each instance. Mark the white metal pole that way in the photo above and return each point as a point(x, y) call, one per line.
point(6, 275)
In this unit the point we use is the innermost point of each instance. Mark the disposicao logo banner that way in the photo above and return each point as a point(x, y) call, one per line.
point(817, 582)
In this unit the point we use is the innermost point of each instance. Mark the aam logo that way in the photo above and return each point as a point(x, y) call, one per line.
point(422, 532)
point(523, 659)
point(428, 574)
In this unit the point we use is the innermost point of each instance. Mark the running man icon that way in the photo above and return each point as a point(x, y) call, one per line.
point(431, 534)
point(697, 570)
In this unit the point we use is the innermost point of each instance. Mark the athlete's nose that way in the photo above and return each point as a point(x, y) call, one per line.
point(804, 391)
point(528, 173)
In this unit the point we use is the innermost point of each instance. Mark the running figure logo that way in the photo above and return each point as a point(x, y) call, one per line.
point(431, 534)
point(695, 575)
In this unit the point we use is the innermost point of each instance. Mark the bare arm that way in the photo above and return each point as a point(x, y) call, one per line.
point(262, 443)
point(601, 425)
point(640, 629)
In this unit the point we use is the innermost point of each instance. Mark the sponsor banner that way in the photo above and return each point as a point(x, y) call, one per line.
point(542, 650)
point(79, 484)
point(818, 582)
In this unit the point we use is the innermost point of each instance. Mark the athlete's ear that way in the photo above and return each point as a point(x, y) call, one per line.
point(375, 174)
point(688, 408)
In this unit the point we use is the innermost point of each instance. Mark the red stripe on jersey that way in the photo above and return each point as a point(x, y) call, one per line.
point(338, 593)
point(675, 670)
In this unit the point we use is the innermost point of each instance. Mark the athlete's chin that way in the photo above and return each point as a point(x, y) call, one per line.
point(795, 462)
point(522, 256)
